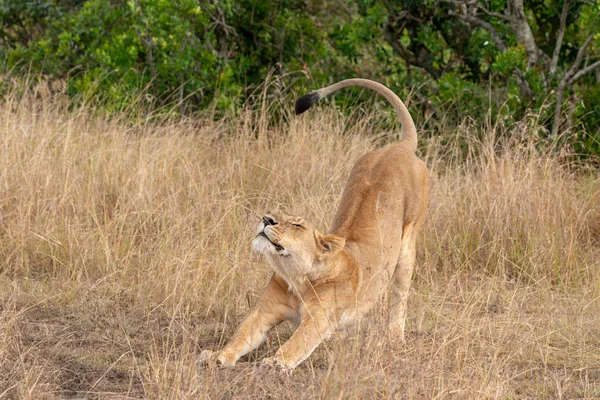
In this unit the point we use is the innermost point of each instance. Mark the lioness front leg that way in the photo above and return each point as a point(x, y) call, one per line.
point(250, 334)
point(272, 308)
point(316, 327)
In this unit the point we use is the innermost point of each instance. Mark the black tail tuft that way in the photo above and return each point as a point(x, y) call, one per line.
point(305, 102)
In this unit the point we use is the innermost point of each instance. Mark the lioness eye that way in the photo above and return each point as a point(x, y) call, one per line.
point(298, 225)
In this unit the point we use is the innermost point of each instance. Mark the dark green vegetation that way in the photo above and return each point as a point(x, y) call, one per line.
point(489, 60)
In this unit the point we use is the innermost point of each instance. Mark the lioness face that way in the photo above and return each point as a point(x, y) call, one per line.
point(293, 244)
point(283, 236)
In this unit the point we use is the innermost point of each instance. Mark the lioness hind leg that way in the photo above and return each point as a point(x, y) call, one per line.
point(401, 280)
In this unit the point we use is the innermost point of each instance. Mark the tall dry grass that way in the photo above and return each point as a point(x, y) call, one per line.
point(125, 250)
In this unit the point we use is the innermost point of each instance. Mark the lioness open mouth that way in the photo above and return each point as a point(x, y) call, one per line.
point(277, 247)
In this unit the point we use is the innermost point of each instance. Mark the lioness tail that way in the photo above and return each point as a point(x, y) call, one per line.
point(410, 131)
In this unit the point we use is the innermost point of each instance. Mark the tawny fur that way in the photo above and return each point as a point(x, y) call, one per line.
point(328, 281)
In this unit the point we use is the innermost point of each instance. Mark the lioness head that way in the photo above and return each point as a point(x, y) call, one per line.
point(293, 244)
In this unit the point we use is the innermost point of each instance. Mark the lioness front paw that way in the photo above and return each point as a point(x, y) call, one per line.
point(204, 359)
point(226, 360)
point(275, 363)
point(208, 357)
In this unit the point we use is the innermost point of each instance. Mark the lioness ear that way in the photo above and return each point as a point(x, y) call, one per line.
point(330, 245)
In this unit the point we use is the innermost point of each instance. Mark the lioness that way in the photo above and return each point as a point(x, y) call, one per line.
point(325, 282)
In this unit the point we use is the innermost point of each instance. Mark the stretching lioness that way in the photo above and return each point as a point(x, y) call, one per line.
point(328, 281)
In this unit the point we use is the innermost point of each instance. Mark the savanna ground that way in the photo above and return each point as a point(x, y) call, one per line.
point(125, 251)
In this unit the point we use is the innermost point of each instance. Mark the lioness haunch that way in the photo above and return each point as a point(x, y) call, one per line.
point(328, 281)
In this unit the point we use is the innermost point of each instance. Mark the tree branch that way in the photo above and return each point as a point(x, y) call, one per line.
point(568, 79)
point(390, 37)
point(524, 34)
point(559, 39)
point(521, 81)
point(494, 14)
point(481, 23)
point(523, 84)
point(480, 7)
point(584, 71)
point(579, 57)
point(460, 3)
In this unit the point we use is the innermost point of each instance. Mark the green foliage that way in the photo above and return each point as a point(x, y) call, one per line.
point(505, 63)
point(190, 54)
point(588, 111)
point(184, 51)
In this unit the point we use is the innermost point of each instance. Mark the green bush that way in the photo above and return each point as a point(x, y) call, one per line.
point(140, 56)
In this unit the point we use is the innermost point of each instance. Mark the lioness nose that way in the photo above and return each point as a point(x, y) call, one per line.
point(269, 220)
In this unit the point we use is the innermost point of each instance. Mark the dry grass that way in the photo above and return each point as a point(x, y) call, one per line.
point(125, 250)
